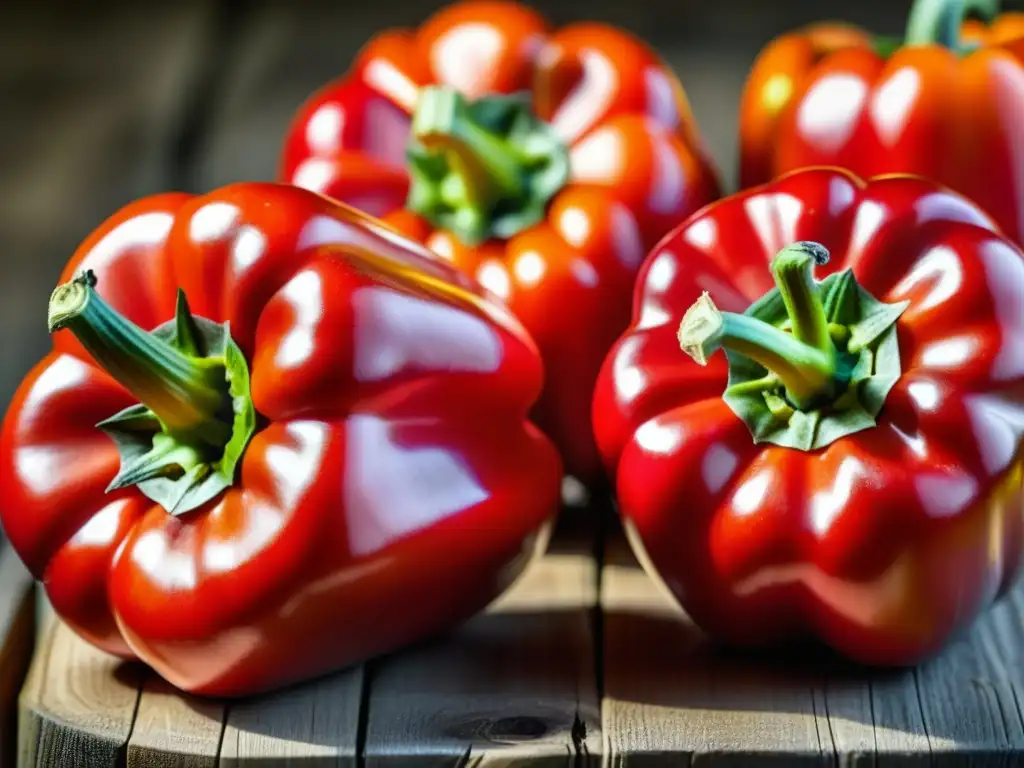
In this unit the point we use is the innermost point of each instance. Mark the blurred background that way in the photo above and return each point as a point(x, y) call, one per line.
point(104, 102)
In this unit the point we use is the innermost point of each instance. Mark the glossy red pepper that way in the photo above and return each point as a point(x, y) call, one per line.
point(852, 468)
point(945, 102)
point(312, 443)
point(550, 197)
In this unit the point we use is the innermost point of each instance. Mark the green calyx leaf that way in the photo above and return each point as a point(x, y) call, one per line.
point(178, 470)
point(482, 169)
point(886, 45)
point(863, 330)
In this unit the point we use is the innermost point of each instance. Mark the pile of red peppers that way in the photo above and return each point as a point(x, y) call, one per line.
point(288, 427)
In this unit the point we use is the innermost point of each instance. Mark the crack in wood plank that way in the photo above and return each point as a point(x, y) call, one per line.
point(313, 724)
point(174, 730)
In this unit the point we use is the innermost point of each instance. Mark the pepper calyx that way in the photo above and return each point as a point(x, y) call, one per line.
point(182, 443)
point(484, 168)
point(775, 383)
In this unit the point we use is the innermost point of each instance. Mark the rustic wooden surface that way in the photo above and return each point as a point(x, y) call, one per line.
point(586, 661)
point(517, 683)
point(681, 697)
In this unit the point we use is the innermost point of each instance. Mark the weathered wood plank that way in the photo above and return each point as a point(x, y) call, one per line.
point(28, 727)
point(78, 704)
point(668, 696)
point(969, 695)
point(898, 722)
point(82, 707)
point(315, 724)
point(17, 631)
point(174, 730)
point(682, 699)
point(961, 708)
point(876, 719)
point(513, 685)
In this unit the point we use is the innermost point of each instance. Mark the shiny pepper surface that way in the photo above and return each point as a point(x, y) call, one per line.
point(843, 456)
point(945, 102)
point(273, 438)
point(546, 163)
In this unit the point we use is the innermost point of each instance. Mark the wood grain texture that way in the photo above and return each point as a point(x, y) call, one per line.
point(970, 695)
point(669, 697)
point(961, 708)
point(78, 704)
point(515, 685)
point(315, 724)
point(681, 699)
point(173, 729)
point(17, 631)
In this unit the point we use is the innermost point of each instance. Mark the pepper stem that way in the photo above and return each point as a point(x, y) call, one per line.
point(938, 22)
point(488, 166)
point(188, 395)
point(806, 373)
point(793, 270)
point(481, 168)
point(809, 362)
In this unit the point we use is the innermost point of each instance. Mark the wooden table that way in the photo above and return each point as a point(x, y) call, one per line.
point(584, 662)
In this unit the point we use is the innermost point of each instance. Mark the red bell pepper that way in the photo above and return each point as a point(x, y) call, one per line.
point(544, 162)
point(273, 438)
point(851, 467)
point(945, 102)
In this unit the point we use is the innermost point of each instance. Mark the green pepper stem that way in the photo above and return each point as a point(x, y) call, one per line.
point(482, 169)
point(804, 360)
point(189, 395)
point(939, 21)
point(488, 167)
point(807, 373)
point(793, 270)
